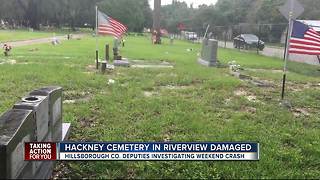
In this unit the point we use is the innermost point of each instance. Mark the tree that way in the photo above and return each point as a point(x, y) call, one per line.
point(134, 14)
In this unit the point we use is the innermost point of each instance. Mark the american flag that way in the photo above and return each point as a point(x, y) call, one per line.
point(304, 40)
point(109, 26)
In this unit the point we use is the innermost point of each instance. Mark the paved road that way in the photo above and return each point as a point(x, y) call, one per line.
point(278, 52)
point(39, 41)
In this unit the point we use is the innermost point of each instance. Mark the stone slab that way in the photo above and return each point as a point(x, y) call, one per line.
point(151, 66)
point(121, 63)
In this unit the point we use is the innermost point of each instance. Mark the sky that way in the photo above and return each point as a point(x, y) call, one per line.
point(196, 3)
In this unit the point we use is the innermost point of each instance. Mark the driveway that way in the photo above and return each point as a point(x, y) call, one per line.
point(39, 41)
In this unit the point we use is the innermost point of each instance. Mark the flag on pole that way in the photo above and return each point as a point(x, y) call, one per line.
point(109, 26)
point(304, 40)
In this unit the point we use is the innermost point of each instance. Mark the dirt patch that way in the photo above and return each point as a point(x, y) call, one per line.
point(262, 83)
point(74, 101)
point(240, 92)
point(12, 62)
point(60, 171)
point(166, 138)
point(33, 49)
point(228, 101)
point(150, 93)
point(296, 87)
point(167, 75)
point(131, 173)
point(71, 65)
point(250, 110)
point(171, 87)
point(88, 73)
point(252, 98)
point(91, 68)
point(248, 95)
point(311, 85)
point(72, 97)
point(88, 122)
point(298, 112)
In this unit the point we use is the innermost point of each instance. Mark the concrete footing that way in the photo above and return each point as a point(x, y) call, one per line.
point(122, 63)
point(207, 63)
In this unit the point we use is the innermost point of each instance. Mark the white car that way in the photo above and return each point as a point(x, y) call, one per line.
point(191, 36)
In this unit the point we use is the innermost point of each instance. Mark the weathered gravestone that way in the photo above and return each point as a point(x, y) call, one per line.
point(117, 58)
point(40, 106)
point(17, 126)
point(209, 51)
point(36, 118)
point(55, 109)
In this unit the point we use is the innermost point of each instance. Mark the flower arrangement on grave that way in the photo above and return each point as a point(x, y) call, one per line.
point(7, 48)
point(234, 67)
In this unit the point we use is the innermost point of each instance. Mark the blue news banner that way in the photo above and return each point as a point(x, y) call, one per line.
point(209, 151)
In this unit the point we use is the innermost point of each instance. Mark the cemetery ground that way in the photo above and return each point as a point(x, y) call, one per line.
point(185, 103)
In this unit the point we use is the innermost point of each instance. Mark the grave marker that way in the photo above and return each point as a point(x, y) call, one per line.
point(208, 56)
point(16, 127)
point(36, 118)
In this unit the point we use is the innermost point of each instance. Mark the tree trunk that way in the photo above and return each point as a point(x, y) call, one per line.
point(33, 15)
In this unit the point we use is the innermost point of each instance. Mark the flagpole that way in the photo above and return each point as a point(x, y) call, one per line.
point(287, 52)
point(97, 51)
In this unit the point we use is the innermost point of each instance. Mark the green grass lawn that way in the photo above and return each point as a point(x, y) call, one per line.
point(16, 35)
point(202, 106)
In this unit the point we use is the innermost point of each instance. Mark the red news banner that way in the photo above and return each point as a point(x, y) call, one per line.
point(40, 151)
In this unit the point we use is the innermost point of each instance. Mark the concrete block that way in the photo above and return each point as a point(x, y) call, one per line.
point(123, 63)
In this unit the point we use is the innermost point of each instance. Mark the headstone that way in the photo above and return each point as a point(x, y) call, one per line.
point(40, 105)
point(17, 126)
point(117, 58)
point(36, 118)
point(115, 49)
point(209, 50)
point(55, 109)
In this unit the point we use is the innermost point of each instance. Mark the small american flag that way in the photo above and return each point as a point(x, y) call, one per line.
point(304, 40)
point(109, 26)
